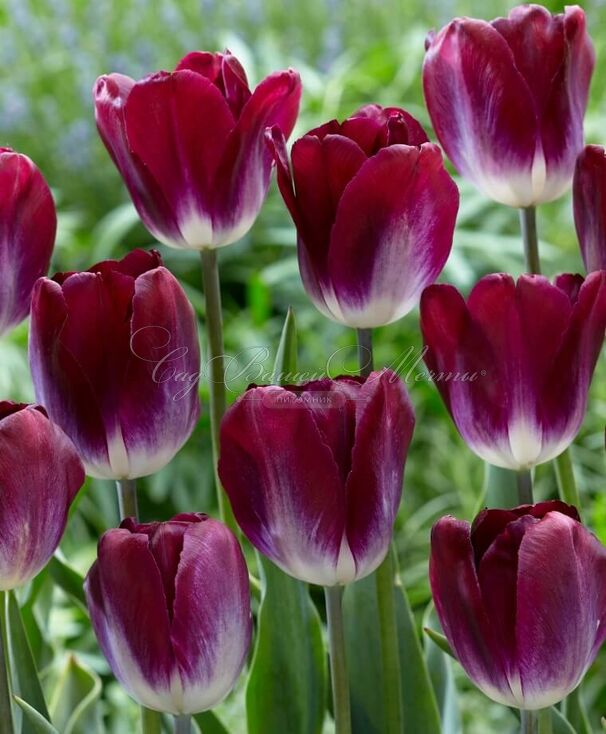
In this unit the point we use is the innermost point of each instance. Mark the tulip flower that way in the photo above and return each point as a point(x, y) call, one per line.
point(115, 360)
point(41, 475)
point(507, 100)
point(314, 472)
point(28, 224)
point(521, 596)
point(589, 198)
point(375, 212)
point(190, 146)
point(515, 362)
point(170, 606)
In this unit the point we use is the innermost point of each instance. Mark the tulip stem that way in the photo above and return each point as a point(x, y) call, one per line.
point(6, 715)
point(528, 224)
point(525, 487)
point(127, 498)
point(365, 354)
point(528, 721)
point(338, 663)
point(182, 724)
point(216, 365)
point(567, 485)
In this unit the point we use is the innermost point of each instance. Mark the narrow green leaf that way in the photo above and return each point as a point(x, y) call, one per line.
point(440, 641)
point(73, 704)
point(500, 488)
point(67, 579)
point(26, 683)
point(559, 723)
point(209, 723)
point(439, 665)
point(151, 721)
point(286, 357)
point(37, 723)
point(573, 709)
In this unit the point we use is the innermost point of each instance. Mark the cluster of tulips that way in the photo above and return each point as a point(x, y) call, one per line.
point(312, 474)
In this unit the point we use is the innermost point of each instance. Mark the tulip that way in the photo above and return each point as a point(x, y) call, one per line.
point(190, 146)
point(521, 596)
point(28, 224)
point(507, 100)
point(589, 197)
point(170, 606)
point(41, 475)
point(314, 472)
point(514, 363)
point(115, 360)
point(374, 210)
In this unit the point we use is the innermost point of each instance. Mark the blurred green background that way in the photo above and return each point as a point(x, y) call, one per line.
point(348, 53)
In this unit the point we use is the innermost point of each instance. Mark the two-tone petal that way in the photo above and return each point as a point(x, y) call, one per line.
point(589, 199)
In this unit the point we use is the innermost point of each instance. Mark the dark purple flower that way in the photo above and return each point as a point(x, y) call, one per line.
point(115, 360)
point(515, 362)
point(170, 605)
point(374, 210)
point(507, 100)
point(589, 198)
point(314, 473)
point(190, 145)
point(521, 596)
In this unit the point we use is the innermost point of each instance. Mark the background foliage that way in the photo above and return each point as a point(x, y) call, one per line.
point(349, 52)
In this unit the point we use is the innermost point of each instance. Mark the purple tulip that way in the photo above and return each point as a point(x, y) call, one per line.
point(314, 472)
point(589, 197)
point(521, 596)
point(28, 224)
point(170, 606)
point(190, 146)
point(41, 475)
point(115, 360)
point(375, 212)
point(514, 363)
point(507, 100)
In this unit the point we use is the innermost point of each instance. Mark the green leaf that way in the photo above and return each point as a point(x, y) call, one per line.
point(67, 579)
point(286, 356)
point(36, 722)
point(419, 703)
point(559, 723)
point(439, 665)
point(286, 690)
point(439, 640)
point(500, 488)
point(209, 723)
point(26, 683)
point(73, 704)
point(573, 709)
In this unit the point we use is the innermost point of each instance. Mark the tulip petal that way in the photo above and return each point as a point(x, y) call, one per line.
point(212, 623)
point(589, 196)
point(384, 426)
point(283, 483)
point(128, 610)
point(392, 234)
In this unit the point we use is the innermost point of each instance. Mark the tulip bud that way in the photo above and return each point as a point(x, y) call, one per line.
point(521, 596)
point(507, 100)
point(115, 360)
point(170, 606)
point(41, 475)
point(28, 224)
point(190, 146)
point(589, 197)
point(515, 362)
point(314, 472)
point(375, 212)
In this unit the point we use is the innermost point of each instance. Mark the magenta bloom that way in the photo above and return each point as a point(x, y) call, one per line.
point(507, 100)
point(589, 198)
point(41, 475)
point(314, 472)
point(115, 360)
point(190, 145)
point(521, 596)
point(28, 224)
point(170, 605)
point(514, 363)
point(375, 212)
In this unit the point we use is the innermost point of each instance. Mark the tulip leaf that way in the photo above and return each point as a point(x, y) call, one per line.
point(559, 723)
point(26, 683)
point(73, 704)
point(574, 710)
point(440, 641)
point(420, 708)
point(500, 488)
point(209, 723)
point(286, 356)
point(37, 723)
point(67, 579)
point(286, 690)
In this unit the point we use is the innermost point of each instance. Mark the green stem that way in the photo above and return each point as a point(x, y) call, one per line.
point(151, 721)
point(528, 722)
point(567, 485)
point(338, 663)
point(182, 724)
point(528, 224)
point(216, 363)
point(365, 354)
point(6, 716)
point(525, 487)
point(127, 498)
